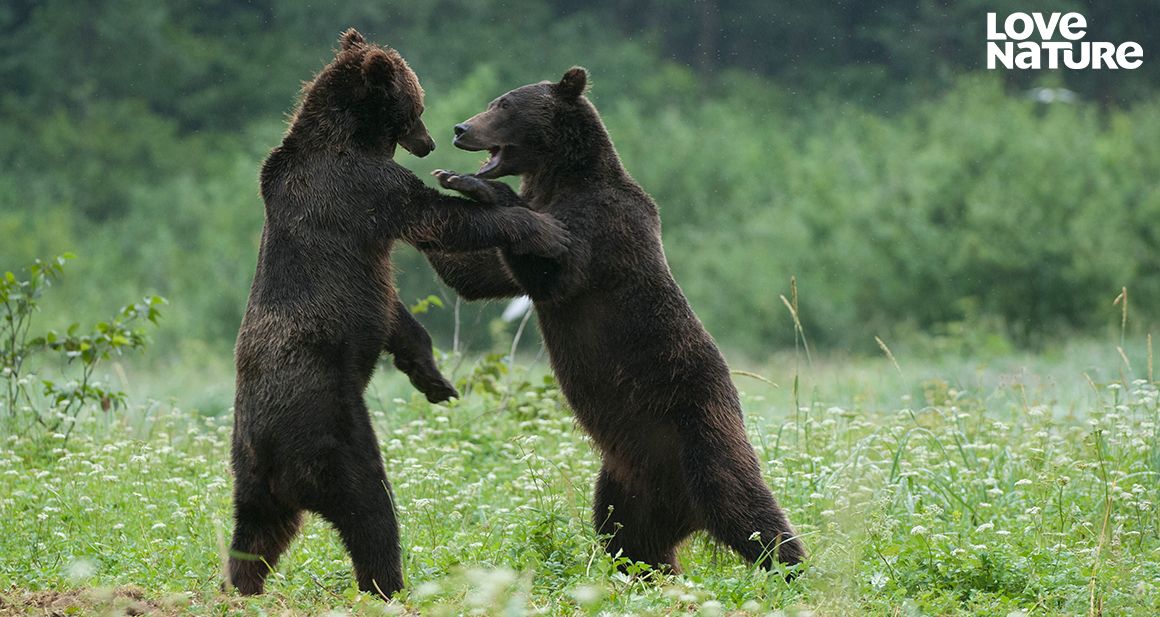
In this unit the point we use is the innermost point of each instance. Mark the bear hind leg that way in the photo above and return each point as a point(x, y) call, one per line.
point(761, 534)
point(365, 519)
point(640, 524)
point(261, 535)
point(733, 501)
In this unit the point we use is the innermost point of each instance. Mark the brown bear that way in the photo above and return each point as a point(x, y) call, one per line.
point(642, 375)
point(323, 306)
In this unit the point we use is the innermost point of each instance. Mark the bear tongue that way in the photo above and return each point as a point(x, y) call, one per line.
point(491, 163)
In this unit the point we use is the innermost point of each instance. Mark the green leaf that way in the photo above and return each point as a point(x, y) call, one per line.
point(424, 305)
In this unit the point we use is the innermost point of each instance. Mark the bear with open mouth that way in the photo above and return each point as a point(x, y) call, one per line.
point(641, 373)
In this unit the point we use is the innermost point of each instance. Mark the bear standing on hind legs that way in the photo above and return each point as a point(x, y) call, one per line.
point(642, 375)
point(323, 306)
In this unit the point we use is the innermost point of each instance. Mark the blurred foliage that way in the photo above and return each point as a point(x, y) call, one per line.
point(854, 145)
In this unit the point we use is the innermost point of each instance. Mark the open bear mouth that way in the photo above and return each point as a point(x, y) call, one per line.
point(492, 163)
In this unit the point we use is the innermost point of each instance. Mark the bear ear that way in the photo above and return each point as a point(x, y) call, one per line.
point(377, 68)
point(572, 85)
point(351, 39)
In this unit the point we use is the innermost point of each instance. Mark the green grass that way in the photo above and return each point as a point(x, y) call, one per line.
point(940, 487)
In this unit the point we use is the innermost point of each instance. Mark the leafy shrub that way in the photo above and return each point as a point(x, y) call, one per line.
point(55, 404)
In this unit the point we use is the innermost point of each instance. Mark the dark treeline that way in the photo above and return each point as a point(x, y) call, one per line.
point(855, 145)
point(868, 48)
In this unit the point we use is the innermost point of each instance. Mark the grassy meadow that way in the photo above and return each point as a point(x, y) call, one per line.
point(1018, 485)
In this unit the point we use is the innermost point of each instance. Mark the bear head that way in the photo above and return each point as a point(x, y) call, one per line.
point(367, 95)
point(523, 127)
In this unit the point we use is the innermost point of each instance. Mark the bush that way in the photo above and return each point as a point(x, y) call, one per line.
point(30, 400)
point(977, 204)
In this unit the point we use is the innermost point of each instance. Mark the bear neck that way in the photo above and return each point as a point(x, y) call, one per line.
point(322, 129)
point(579, 153)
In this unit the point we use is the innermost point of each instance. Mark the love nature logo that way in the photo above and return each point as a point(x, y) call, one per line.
point(1013, 47)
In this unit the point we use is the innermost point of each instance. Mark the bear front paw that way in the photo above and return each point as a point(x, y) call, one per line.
point(439, 392)
point(549, 238)
point(426, 378)
point(469, 186)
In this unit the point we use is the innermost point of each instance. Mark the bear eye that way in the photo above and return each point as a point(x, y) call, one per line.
point(502, 104)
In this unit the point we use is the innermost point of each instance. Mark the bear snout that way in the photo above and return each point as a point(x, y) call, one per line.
point(466, 138)
point(428, 147)
point(420, 146)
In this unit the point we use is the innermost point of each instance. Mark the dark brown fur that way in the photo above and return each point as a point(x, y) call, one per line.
point(643, 376)
point(323, 306)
